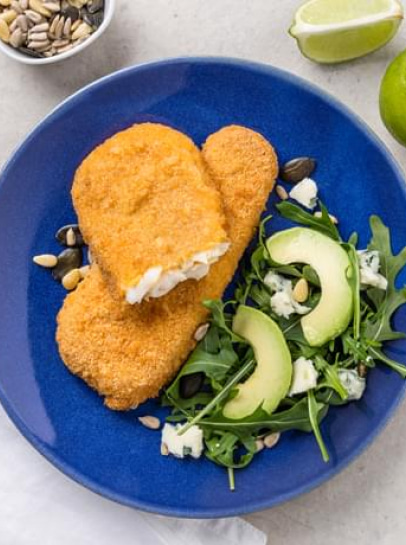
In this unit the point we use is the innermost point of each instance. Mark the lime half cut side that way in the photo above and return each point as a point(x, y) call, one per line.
point(333, 31)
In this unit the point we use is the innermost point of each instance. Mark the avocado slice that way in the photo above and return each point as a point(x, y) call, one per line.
point(270, 381)
point(334, 311)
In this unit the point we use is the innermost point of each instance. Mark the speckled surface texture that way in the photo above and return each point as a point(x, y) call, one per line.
point(366, 503)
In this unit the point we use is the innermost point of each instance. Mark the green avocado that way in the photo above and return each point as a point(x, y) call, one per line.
point(334, 311)
point(270, 381)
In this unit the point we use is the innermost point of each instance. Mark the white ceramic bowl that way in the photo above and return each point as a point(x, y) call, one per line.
point(109, 6)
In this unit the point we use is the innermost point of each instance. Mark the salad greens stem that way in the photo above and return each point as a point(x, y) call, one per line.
point(231, 478)
point(313, 407)
point(219, 397)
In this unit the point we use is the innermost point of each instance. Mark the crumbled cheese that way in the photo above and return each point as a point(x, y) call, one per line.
point(156, 283)
point(369, 269)
point(353, 383)
point(282, 301)
point(191, 442)
point(304, 376)
point(305, 193)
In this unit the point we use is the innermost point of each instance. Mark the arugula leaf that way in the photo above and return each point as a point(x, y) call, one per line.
point(294, 418)
point(314, 408)
point(380, 356)
point(221, 396)
point(323, 225)
point(221, 319)
point(331, 378)
point(378, 327)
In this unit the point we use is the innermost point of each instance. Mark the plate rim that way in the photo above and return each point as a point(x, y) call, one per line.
point(203, 513)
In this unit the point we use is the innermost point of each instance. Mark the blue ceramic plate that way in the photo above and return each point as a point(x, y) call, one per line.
point(65, 420)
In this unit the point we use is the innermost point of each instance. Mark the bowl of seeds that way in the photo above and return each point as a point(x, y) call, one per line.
point(47, 31)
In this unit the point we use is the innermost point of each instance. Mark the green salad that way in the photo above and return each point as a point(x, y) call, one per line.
point(308, 321)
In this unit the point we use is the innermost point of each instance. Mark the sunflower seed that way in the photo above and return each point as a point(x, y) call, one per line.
point(59, 28)
point(58, 44)
point(16, 6)
point(82, 31)
point(8, 16)
point(77, 3)
point(164, 449)
point(67, 27)
point(42, 27)
point(64, 48)
point(5, 3)
point(271, 440)
point(71, 279)
point(24, 4)
point(22, 22)
point(49, 261)
point(201, 331)
point(68, 260)
point(296, 170)
point(37, 5)
point(52, 7)
point(282, 193)
point(61, 234)
point(38, 36)
point(4, 31)
point(39, 46)
point(84, 271)
point(150, 422)
point(259, 444)
point(33, 16)
point(76, 24)
point(13, 26)
point(301, 291)
point(16, 38)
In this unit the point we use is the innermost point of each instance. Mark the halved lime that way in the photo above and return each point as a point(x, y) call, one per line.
point(392, 99)
point(332, 31)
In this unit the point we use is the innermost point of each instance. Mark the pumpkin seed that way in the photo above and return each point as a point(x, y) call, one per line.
point(282, 193)
point(271, 440)
point(301, 291)
point(362, 370)
point(37, 5)
point(49, 261)
point(150, 422)
point(61, 234)
point(95, 5)
point(68, 260)
point(71, 279)
point(189, 385)
point(296, 170)
point(4, 31)
point(83, 30)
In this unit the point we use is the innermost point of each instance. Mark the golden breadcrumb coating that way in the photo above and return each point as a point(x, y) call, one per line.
point(144, 199)
point(128, 353)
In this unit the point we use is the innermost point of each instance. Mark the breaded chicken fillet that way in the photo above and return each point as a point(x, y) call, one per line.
point(128, 353)
point(149, 211)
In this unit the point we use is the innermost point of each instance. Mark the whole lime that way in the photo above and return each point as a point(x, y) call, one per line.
point(392, 99)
